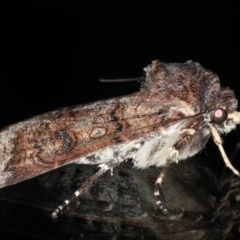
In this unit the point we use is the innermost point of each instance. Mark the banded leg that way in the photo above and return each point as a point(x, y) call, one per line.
point(158, 185)
point(172, 158)
point(82, 189)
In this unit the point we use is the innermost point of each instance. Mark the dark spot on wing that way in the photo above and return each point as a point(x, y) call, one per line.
point(161, 111)
point(66, 140)
point(119, 126)
point(113, 115)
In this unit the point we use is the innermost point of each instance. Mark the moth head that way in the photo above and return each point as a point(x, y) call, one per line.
point(224, 116)
point(224, 121)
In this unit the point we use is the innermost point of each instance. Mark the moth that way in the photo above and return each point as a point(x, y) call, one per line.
point(178, 108)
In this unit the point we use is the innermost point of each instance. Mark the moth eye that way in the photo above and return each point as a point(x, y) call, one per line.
point(219, 116)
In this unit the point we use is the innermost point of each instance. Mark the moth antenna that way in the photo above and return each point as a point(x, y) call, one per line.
point(122, 80)
point(82, 189)
point(218, 141)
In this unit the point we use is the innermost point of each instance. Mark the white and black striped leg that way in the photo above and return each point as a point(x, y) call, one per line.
point(82, 189)
point(157, 190)
point(173, 156)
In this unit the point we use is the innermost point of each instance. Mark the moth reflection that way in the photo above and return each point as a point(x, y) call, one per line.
point(203, 203)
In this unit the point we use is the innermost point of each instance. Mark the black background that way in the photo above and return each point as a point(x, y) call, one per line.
point(52, 53)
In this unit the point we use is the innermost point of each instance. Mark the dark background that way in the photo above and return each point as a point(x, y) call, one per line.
point(52, 53)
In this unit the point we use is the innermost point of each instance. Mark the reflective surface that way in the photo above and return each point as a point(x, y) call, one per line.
point(202, 204)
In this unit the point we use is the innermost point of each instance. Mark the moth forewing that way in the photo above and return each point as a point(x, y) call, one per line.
point(170, 119)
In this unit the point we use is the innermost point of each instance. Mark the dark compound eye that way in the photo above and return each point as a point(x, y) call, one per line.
point(219, 115)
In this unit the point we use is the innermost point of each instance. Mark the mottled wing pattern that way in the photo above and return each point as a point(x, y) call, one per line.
point(84, 133)
point(143, 126)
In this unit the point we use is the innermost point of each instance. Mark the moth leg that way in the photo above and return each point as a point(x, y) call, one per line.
point(218, 141)
point(173, 156)
point(82, 189)
point(157, 190)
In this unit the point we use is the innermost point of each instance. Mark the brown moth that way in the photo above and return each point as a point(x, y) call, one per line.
point(171, 118)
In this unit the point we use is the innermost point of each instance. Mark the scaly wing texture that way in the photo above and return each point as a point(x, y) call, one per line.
point(49, 141)
point(115, 129)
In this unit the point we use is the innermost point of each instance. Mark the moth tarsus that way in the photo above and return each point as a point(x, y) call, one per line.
point(158, 183)
point(179, 106)
point(82, 189)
